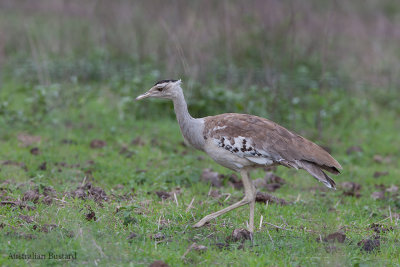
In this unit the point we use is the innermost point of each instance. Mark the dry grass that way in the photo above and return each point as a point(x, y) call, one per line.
point(253, 40)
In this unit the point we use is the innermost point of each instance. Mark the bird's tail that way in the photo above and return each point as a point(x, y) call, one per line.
point(317, 173)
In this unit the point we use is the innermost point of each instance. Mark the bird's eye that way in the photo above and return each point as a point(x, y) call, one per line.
point(160, 89)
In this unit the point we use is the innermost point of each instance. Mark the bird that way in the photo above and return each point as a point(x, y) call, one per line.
point(242, 143)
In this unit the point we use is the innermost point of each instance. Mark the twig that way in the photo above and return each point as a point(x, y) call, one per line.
point(278, 227)
point(188, 250)
point(190, 205)
point(99, 248)
point(176, 200)
point(261, 220)
point(229, 195)
point(390, 215)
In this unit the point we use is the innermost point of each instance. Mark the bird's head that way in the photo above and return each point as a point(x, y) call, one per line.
point(168, 89)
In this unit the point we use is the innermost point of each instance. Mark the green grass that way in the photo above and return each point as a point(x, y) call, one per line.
point(135, 208)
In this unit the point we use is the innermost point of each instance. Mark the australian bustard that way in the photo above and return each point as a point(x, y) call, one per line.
point(243, 142)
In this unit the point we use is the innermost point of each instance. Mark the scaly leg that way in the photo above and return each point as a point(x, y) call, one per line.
point(249, 197)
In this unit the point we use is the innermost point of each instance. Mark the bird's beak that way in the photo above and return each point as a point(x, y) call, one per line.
point(145, 95)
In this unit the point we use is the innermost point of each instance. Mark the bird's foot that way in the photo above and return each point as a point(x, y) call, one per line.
point(202, 222)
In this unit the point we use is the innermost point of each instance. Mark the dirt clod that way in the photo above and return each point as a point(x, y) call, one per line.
point(163, 194)
point(264, 197)
point(48, 227)
point(379, 174)
point(97, 143)
point(31, 195)
point(27, 140)
point(351, 189)
point(378, 195)
point(209, 176)
point(369, 245)
point(379, 228)
point(43, 166)
point(26, 218)
point(239, 234)
point(35, 151)
point(159, 236)
point(132, 236)
point(91, 215)
point(382, 159)
point(158, 264)
point(334, 237)
point(354, 149)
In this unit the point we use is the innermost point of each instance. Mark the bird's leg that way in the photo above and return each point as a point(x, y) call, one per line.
point(248, 198)
point(250, 192)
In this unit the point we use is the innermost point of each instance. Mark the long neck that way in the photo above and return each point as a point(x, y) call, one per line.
point(181, 110)
point(191, 128)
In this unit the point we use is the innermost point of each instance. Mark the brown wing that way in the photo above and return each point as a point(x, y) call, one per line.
point(273, 140)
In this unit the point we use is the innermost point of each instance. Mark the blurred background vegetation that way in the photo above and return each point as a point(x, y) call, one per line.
point(304, 64)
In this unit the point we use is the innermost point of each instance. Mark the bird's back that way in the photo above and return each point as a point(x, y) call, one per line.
point(258, 139)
